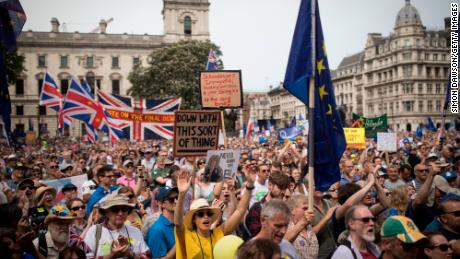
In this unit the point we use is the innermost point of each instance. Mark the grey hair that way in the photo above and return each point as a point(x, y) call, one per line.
point(272, 207)
point(350, 214)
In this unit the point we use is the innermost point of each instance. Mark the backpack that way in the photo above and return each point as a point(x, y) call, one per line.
point(42, 245)
point(346, 243)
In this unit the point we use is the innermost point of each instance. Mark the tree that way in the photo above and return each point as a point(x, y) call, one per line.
point(173, 71)
point(14, 65)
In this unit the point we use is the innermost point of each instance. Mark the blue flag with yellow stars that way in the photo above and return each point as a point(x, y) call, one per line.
point(329, 139)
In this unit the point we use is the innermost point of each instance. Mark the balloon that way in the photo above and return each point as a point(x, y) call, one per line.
point(226, 247)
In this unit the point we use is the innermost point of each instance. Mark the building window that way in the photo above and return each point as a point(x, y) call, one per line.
point(430, 106)
point(115, 86)
point(187, 25)
point(20, 87)
point(39, 86)
point(41, 60)
point(20, 127)
point(90, 62)
point(438, 88)
point(64, 61)
point(41, 110)
point(438, 105)
point(420, 88)
point(19, 109)
point(408, 106)
point(43, 127)
point(427, 56)
point(435, 57)
point(136, 61)
point(115, 62)
point(420, 106)
point(64, 86)
point(429, 88)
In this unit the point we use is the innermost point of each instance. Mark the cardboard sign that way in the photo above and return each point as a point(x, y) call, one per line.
point(221, 89)
point(196, 132)
point(355, 138)
point(221, 163)
point(386, 142)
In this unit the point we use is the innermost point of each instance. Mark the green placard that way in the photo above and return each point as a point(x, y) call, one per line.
point(372, 125)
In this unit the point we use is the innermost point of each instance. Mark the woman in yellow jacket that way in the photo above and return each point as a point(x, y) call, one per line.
point(194, 237)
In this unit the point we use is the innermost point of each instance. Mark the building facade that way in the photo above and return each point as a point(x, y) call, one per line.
point(105, 60)
point(404, 75)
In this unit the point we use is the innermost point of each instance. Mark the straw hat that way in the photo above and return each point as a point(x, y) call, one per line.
point(116, 200)
point(40, 191)
point(60, 212)
point(200, 204)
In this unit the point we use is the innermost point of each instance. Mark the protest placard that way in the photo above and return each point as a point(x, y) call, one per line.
point(221, 89)
point(195, 132)
point(221, 163)
point(75, 180)
point(355, 138)
point(386, 142)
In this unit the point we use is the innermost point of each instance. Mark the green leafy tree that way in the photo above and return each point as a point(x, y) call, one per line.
point(14, 65)
point(173, 71)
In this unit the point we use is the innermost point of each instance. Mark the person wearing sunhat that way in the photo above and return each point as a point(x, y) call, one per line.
point(116, 239)
point(57, 237)
point(160, 237)
point(44, 197)
point(193, 234)
point(128, 178)
point(401, 238)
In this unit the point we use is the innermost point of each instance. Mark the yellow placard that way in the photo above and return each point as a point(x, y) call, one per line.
point(355, 138)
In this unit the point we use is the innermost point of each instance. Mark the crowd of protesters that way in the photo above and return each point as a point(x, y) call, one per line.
point(139, 201)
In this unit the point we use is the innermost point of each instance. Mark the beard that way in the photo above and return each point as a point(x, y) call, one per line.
point(59, 236)
point(368, 236)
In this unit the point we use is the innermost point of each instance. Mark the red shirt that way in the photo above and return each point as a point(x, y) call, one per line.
point(367, 255)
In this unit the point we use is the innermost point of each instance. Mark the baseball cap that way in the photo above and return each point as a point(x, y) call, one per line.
point(432, 155)
point(65, 166)
point(163, 192)
point(449, 175)
point(26, 181)
point(127, 162)
point(69, 186)
point(403, 228)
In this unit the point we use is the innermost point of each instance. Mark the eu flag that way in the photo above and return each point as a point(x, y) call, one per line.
point(329, 138)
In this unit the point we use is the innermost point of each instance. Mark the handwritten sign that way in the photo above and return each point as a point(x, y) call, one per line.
point(195, 132)
point(386, 141)
point(221, 163)
point(221, 89)
point(355, 138)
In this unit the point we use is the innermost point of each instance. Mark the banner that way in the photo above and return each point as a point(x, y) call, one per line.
point(196, 132)
point(141, 119)
point(355, 138)
point(59, 183)
point(372, 125)
point(221, 89)
point(386, 142)
point(221, 163)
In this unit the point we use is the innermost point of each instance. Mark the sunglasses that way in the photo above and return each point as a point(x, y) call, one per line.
point(455, 213)
point(424, 170)
point(23, 188)
point(118, 209)
point(111, 176)
point(172, 199)
point(83, 207)
point(265, 171)
point(442, 247)
point(366, 220)
point(409, 246)
point(201, 213)
point(129, 165)
point(54, 167)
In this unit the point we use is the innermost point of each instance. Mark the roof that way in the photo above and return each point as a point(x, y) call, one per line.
point(408, 15)
point(352, 60)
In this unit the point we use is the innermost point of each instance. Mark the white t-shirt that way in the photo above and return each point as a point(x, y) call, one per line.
point(134, 235)
point(148, 165)
point(259, 192)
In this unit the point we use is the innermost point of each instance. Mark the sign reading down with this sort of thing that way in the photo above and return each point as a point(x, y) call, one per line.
point(195, 132)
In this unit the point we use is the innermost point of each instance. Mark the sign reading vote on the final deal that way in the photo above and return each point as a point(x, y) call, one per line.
point(221, 163)
point(386, 142)
point(195, 132)
point(221, 89)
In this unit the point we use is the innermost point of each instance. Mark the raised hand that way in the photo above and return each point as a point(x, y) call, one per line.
point(250, 174)
point(183, 181)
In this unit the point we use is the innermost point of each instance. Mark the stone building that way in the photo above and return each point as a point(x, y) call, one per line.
point(404, 74)
point(104, 59)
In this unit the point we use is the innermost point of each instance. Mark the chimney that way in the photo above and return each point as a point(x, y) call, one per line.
point(54, 25)
point(102, 26)
point(447, 23)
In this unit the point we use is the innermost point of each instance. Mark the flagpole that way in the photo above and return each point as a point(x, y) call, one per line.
point(311, 109)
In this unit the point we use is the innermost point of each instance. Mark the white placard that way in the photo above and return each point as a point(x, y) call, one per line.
point(386, 142)
point(221, 163)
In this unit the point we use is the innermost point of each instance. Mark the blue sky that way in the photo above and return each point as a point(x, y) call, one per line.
point(254, 35)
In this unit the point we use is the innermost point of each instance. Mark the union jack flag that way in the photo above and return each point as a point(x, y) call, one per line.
point(91, 133)
point(141, 119)
point(52, 98)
